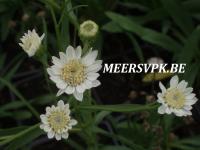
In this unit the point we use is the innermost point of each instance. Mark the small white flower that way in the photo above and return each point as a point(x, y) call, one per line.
point(57, 121)
point(155, 60)
point(177, 99)
point(88, 29)
point(31, 42)
point(74, 74)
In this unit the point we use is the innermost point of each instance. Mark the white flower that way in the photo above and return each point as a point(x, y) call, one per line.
point(57, 121)
point(74, 74)
point(177, 99)
point(31, 42)
point(155, 60)
point(88, 29)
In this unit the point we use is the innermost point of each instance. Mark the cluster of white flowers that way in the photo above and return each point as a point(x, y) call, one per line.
point(74, 73)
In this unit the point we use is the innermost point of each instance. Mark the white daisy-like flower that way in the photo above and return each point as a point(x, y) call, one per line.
point(31, 42)
point(177, 99)
point(74, 74)
point(88, 29)
point(57, 121)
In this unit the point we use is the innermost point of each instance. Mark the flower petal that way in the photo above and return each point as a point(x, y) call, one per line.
point(174, 81)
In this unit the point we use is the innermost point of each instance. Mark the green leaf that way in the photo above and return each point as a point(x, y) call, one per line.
point(18, 94)
point(191, 47)
point(146, 34)
point(11, 105)
point(119, 107)
point(11, 131)
point(100, 116)
point(112, 27)
point(180, 16)
point(24, 138)
point(137, 48)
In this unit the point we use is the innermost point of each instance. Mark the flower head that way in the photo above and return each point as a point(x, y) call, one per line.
point(155, 60)
point(31, 42)
point(88, 29)
point(74, 74)
point(57, 121)
point(177, 99)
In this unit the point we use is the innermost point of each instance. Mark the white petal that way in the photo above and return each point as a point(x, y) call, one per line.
point(61, 85)
point(163, 89)
point(48, 109)
point(56, 79)
point(96, 83)
point(78, 96)
point(65, 135)
point(56, 70)
point(188, 90)
point(61, 104)
point(174, 81)
point(44, 119)
point(70, 53)
point(63, 57)
point(191, 96)
point(88, 84)
point(47, 128)
point(57, 62)
point(94, 67)
point(168, 110)
point(50, 134)
point(182, 85)
point(92, 76)
point(89, 58)
point(58, 136)
point(190, 101)
point(42, 36)
point(60, 92)
point(78, 52)
point(80, 88)
point(187, 107)
point(73, 122)
point(50, 72)
point(161, 109)
point(179, 112)
point(70, 90)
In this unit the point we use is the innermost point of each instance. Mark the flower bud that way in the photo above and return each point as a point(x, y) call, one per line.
point(88, 30)
point(31, 42)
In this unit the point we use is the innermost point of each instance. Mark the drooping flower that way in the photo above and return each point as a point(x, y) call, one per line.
point(88, 29)
point(57, 121)
point(74, 74)
point(31, 42)
point(177, 99)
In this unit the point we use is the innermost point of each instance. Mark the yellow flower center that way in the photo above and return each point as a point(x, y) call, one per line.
point(73, 73)
point(58, 120)
point(174, 98)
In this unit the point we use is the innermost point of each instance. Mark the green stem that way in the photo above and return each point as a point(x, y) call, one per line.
point(14, 90)
point(11, 138)
point(56, 26)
